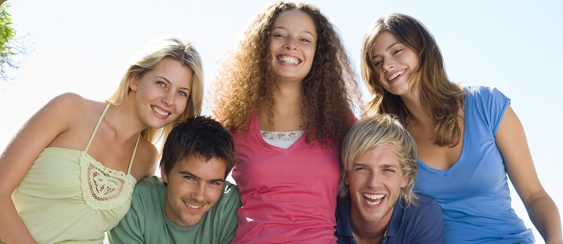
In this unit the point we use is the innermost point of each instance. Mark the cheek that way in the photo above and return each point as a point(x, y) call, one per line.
point(214, 196)
point(181, 107)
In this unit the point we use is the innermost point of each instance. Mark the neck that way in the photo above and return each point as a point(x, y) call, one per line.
point(418, 114)
point(287, 108)
point(122, 119)
point(368, 231)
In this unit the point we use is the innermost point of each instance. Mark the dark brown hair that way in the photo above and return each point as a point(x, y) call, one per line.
point(440, 98)
point(245, 80)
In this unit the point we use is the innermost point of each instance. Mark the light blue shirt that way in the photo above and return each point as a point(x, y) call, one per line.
point(474, 193)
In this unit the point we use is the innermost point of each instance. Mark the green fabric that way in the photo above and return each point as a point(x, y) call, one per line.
point(50, 198)
point(146, 221)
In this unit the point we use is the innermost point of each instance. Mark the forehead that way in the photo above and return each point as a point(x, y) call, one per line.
point(295, 20)
point(383, 41)
point(206, 170)
point(383, 156)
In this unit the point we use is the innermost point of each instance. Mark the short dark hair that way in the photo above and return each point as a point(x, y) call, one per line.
point(199, 136)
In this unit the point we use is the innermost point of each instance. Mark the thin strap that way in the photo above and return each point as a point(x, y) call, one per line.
point(96, 129)
point(133, 157)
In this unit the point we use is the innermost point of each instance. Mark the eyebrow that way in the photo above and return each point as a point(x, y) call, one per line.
point(196, 177)
point(164, 78)
point(190, 174)
point(387, 49)
point(281, 27)
point(384, 165)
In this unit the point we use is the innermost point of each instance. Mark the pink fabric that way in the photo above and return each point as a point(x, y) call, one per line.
point(288, 195)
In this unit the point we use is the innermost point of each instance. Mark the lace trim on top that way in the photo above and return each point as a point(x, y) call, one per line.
point(281, 136)
point(104, 188)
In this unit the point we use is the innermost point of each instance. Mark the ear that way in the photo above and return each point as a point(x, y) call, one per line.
point(405, 182)
point(163, 174)
point(133, 83)
point(346, 181)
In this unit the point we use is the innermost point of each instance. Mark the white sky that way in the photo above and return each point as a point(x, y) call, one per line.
point(82, 47)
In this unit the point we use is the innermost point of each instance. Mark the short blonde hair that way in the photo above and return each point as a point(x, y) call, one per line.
point(372, 132)
point(166, 47)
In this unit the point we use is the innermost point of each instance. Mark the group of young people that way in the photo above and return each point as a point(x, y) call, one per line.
point(428, 163)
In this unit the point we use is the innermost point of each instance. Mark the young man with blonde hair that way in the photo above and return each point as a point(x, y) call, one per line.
point(377, 203)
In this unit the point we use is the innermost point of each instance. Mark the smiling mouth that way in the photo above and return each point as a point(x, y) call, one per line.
point(193, 207)
point(288, 59)
point(159, 111)
point(394, 76)
point(374, 199)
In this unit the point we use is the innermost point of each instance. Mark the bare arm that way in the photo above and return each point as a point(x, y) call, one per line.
point(511, 141)
point(19, 155)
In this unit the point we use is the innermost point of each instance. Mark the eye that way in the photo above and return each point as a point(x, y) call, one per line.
point(160, 83)
point(397, 51)
point(377, 63)
point(279, 35)
point(305, 40)
point(190, 178)
point(359, 168)
point(182, 93)
point(389, 170)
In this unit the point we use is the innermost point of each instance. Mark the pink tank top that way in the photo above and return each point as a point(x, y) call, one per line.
point(288, 195)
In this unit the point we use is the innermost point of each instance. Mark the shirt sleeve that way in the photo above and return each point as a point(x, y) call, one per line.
point(431, 227)
point(129, 229)
point(229, 215)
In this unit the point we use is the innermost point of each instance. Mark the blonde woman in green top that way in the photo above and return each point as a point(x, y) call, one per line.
point(73, 165)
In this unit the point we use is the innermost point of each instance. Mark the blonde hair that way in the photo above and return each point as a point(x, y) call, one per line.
point(245, 80)
point(440, 98)
point(375, 131)
point(167, 47)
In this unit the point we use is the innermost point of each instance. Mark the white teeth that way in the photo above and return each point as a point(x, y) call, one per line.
point(374, 203)
point(374, 197)
point(289, 60)
point(193, 206)
point(377, 197)
point(157, 110)
point(395, 75)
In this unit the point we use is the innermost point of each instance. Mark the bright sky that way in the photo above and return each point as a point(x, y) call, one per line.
point(82, 47)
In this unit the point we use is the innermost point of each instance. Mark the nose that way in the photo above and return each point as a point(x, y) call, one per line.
point(199, 193)
point(373, 181)
point(168, 98)
point(388, 65)
point(290, 44)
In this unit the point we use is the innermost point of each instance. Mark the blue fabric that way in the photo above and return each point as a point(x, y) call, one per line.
point(420, 223)
point(474, 193)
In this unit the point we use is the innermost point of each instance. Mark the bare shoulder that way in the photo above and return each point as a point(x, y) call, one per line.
point(67, 106)
point(74, 117)
point(145, 162)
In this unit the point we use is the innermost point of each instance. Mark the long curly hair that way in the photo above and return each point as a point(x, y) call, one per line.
point(245, 80)
point(440, 98)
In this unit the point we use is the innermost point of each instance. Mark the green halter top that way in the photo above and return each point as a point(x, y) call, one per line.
point(69, 196)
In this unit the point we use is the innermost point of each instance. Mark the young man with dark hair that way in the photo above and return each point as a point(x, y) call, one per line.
point(192, 202)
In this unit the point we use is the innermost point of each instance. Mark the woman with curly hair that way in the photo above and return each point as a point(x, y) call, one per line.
point(468, 139)
point(285, 91)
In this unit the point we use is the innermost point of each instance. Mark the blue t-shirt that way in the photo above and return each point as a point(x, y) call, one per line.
point(419, 223)
point(474, 193)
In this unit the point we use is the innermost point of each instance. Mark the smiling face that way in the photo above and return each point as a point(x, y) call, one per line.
point(161, 94)
point(375, 180)
point(293, 41)
point(394, 62)
point(193, 187)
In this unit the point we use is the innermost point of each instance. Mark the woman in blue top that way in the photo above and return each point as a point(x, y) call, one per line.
point(468, 138)
point(68, 175)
